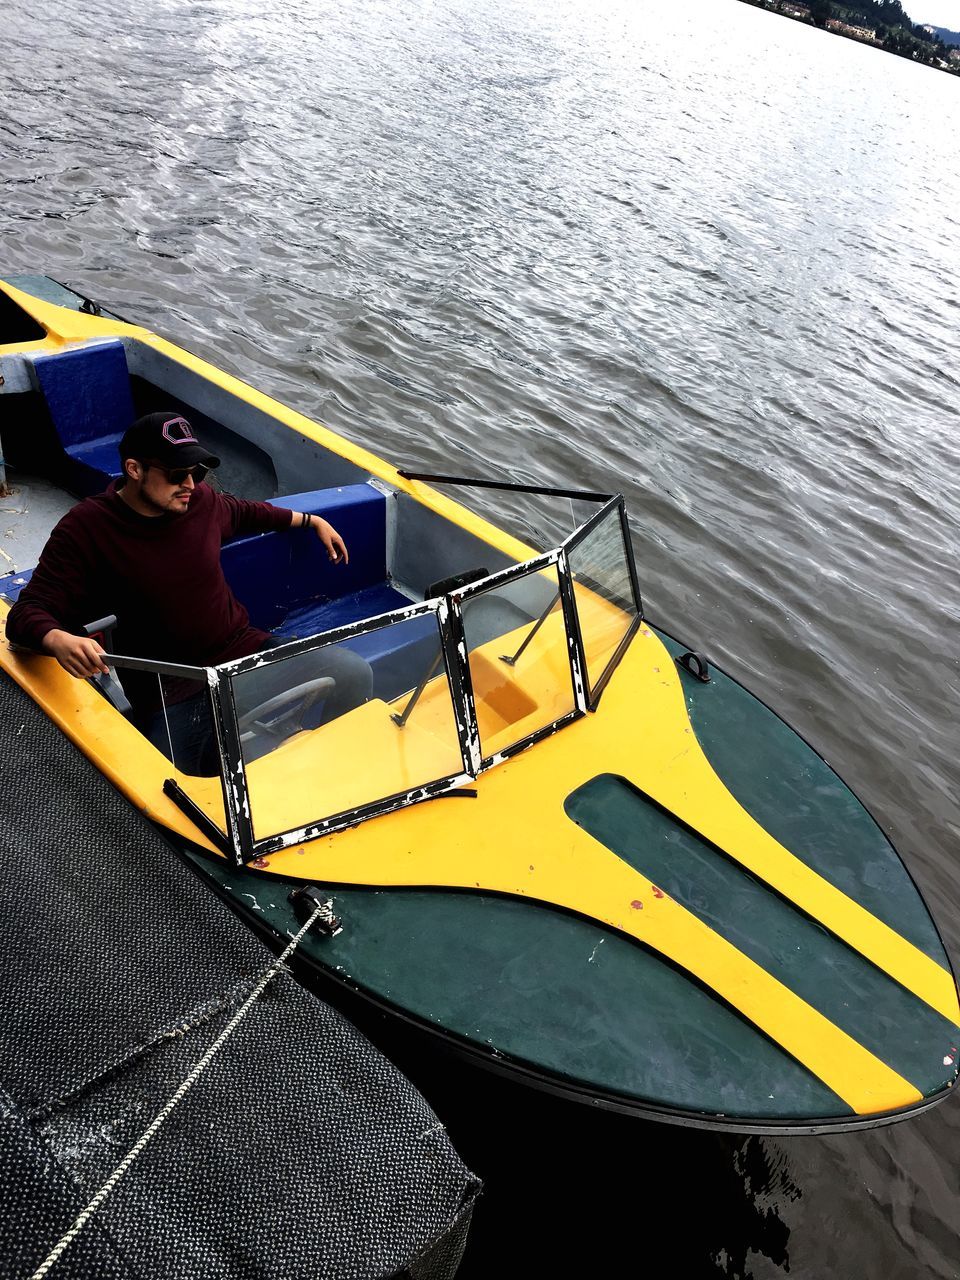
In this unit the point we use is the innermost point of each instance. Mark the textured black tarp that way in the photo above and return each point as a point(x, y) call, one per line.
point(301, 1152)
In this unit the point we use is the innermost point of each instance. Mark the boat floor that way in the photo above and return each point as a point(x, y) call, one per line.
point(28, 511)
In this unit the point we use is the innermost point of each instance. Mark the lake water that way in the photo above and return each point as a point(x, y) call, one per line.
point(690, 250)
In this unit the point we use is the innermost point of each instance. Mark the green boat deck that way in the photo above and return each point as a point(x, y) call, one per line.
point(591, 1011)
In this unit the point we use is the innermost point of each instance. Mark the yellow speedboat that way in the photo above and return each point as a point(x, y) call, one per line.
point(650, 893)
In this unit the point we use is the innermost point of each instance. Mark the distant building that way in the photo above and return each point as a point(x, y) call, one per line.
point(855, 33)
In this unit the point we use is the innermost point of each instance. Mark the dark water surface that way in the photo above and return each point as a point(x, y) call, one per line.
point(691, 250)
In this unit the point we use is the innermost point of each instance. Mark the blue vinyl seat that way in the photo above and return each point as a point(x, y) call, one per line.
point(290, 587)
point(87, 394)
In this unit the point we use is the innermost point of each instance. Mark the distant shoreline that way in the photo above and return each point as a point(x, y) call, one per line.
point(854, 22)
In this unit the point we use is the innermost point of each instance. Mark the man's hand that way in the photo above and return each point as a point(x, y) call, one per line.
point(80, 655)
point(335, 545)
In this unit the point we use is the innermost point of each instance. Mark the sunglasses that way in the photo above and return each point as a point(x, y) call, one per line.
point(177, 475)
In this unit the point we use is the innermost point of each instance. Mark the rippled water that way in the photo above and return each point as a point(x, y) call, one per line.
point(693, 250)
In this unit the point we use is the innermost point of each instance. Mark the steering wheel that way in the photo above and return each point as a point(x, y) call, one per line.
point(282, 715)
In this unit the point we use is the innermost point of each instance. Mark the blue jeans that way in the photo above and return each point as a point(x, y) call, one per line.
point(184, 731)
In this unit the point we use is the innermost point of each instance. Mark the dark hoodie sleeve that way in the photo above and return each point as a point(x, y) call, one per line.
point(238, 517)
point(57, 595)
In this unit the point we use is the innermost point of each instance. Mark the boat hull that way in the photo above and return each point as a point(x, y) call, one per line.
point(668, 905)
point(555, 1002)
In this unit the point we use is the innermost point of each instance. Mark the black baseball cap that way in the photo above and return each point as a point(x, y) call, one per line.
point(167, 438)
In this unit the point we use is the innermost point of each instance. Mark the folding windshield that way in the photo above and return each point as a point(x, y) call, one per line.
point(322, 733)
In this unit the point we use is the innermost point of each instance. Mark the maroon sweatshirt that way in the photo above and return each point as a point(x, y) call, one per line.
point(160, 575)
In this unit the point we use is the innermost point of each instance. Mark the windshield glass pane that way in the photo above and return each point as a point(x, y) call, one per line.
point(318, 733)
point(519, 658)
point(178, 720)
point(603, 591)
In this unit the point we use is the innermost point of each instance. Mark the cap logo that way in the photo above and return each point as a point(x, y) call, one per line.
point(178, 431)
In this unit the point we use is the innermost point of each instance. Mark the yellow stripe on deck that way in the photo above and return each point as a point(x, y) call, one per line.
point(613, 891)
point(719, 818)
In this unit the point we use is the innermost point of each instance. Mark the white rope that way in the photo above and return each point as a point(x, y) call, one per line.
point(55, 1254)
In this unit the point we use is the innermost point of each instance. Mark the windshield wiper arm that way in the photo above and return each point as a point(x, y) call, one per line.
point(441, 588)
point(512, 661)
point(404, 715)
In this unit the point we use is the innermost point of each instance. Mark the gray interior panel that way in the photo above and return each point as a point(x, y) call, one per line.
point(428, 547)
point(302, 464)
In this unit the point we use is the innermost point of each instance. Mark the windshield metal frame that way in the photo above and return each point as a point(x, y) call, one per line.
point(575, 655)
point(594, 692)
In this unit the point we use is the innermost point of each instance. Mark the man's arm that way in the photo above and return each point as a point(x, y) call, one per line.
point(238, 516)
point(53, 596)
point(335, 546)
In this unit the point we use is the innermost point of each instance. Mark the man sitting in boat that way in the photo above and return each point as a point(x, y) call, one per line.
point(148, 551)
